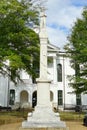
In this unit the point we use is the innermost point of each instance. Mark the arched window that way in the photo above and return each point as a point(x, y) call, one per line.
point(59, 72)
point(12, 97)
point(60, 97)
point(24, 96)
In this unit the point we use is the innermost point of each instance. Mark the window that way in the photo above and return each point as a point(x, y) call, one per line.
point(51, 96)
point(59, 72)
point(12, 97)
point(78, 99)
point(50, 62)
point(60, 97)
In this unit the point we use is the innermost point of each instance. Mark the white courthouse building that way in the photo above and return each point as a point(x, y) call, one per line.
point(58, 71)
point(25, 94)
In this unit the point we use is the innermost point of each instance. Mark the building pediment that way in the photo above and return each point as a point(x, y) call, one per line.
point(52, 48)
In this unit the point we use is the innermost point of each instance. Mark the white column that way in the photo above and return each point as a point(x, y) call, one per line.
point(43, 116)
point(43, 47)
point(43, 58)
point(43, 84)
point(55, 69)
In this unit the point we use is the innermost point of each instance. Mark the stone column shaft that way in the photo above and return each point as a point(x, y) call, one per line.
point(43, 84)
point(43, 58)
point(55, 69)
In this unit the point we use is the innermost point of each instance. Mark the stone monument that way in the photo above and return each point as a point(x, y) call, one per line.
point(43, 116)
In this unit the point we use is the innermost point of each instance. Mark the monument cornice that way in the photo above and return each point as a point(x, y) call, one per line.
point(41, 80)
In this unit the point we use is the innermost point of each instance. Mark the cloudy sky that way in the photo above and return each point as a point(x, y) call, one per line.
point(61, 15)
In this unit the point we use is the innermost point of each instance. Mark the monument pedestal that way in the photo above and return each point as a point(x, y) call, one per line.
point(43, 116)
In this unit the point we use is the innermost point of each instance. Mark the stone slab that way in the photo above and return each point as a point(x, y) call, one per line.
point(47, 128)
point(59, 124)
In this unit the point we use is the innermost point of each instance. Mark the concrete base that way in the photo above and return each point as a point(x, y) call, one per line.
point(43, 117)
point(44, 128)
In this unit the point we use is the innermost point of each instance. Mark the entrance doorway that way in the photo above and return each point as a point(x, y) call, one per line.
point(34, 99)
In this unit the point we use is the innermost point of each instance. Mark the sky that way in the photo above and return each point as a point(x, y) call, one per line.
point(61, 16)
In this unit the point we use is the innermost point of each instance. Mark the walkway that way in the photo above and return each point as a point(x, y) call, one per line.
point(71, 125)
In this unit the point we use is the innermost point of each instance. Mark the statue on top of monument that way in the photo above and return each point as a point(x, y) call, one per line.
point(42, 18)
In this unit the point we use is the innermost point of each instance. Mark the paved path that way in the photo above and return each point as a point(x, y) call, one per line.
point(14, 126)
point(71, 125)
point(76, 126)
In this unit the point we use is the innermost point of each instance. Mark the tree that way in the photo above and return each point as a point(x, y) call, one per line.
point(77, 50)
point(19, 44)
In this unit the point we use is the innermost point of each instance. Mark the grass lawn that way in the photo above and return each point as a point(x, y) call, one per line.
point(12, 116)
point(9, 117)
point(72, 116)
point(19, 116)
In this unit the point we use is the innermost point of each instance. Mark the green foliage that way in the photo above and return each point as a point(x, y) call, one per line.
point(18, 42)
point(77, 50)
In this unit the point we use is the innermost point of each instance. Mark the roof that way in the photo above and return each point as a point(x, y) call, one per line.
point(52, 48)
